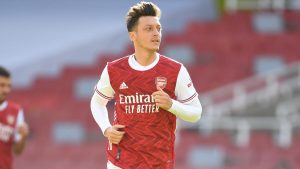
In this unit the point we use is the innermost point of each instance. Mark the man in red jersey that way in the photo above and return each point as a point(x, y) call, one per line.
point(150, 92)
point(13, 129)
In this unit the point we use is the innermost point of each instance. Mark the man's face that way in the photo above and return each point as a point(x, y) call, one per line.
point(147, 34)
point(5, 87)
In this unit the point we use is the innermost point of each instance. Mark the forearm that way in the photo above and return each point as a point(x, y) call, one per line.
point(99, 111)
point(190, 112)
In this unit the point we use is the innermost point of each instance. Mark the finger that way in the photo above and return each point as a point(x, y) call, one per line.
point(117, 133)
point(115, 140)
point(116, 136)
point(158, 88)
point(160, 92)
point(161, 99)
point(155, 93)
point(162, 96)
point(119, 126)
point(157, 100)
point(158, 96)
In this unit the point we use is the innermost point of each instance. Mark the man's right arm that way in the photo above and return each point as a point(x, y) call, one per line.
point(99, 111)
point(103, 93)
point(21, 133)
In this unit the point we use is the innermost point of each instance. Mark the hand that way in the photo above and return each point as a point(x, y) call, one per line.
point(23, 130)
point(113, 134)
point(162, 99)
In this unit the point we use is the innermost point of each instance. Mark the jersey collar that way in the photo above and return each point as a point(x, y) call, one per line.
point(136, 66)
point(3, 105)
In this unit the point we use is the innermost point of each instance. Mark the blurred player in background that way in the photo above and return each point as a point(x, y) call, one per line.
point(150, 91)
point(13, 129)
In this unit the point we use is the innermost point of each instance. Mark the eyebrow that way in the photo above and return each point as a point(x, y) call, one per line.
point(153, 25)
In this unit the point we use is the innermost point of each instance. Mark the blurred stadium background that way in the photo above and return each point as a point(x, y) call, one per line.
point(243, 57)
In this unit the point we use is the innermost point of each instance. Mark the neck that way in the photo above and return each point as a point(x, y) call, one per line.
point(1, 102)
point(145, 58)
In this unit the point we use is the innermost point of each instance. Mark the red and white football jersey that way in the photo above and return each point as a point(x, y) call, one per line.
point(9, 118)
point(150, 131)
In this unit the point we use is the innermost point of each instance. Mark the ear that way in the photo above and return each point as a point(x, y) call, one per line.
point(132, 36)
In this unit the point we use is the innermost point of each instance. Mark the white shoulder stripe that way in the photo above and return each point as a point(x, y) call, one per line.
point(188, 99)
point(102, 95)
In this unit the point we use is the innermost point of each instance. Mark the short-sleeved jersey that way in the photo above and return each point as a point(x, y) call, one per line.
point(150, 131)
point(8, 121)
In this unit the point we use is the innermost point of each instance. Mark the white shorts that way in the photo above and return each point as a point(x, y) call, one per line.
point(112, 166)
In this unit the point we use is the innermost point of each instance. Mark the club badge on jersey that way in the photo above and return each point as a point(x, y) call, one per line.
point(161, 82)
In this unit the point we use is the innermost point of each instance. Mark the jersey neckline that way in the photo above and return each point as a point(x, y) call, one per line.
point(3, 105)
point(136, 66)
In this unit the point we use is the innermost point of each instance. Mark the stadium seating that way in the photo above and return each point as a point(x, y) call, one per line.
point(225, 52)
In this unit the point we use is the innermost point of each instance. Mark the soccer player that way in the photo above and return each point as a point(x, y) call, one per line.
point(150, 92)
point(13, 129)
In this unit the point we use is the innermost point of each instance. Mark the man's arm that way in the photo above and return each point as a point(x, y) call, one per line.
point(190, 112)
point(100, 114)
point(19, 146)
point(21, 135)
point(104, 93)
point(187, 106)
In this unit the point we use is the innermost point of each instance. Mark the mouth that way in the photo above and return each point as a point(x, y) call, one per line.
point(157, 41)
point(2, 95)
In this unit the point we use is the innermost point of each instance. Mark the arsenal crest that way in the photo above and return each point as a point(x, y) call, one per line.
point(161, 82)
point(10, 119)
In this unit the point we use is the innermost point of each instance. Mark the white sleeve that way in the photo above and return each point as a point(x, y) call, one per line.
point(99, 111)
point(187, 106)
point(184, 90)
point(103, 93)
point(103, 87)
point(19, 122)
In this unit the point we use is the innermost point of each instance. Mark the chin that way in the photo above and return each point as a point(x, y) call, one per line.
point(155, 49)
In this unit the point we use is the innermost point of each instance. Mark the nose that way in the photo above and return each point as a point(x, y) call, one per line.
point(156, 32)
point(6, 90)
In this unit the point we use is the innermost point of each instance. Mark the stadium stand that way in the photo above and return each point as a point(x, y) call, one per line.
point(250, 123)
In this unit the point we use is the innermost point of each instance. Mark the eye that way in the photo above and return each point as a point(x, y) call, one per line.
point(149, 28)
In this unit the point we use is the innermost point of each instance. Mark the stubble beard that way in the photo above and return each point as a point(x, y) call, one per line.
point(2, 97)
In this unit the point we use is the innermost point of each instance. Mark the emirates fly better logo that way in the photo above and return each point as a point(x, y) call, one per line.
point(141, 103)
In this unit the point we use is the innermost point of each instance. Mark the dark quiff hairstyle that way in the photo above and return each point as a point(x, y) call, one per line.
point(4, 72)
point(139, 10)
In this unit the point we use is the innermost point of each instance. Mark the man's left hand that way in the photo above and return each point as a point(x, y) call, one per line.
point(162, 99)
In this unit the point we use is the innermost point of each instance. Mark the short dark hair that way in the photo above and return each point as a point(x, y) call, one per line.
point(4, 72)
point(139, 10)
